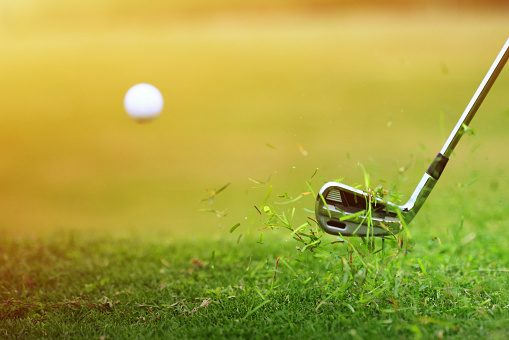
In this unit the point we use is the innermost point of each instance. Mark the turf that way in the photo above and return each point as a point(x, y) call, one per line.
point(125, 287)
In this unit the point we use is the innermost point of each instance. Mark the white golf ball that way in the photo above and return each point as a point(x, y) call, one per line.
point(143, 102)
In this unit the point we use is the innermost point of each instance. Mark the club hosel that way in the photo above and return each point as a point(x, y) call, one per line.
point(424, 187)
point(419, 196)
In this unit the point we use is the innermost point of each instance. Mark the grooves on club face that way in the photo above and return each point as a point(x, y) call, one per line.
point(343, 210)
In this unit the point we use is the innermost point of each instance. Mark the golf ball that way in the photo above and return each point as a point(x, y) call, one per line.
point(143, 102)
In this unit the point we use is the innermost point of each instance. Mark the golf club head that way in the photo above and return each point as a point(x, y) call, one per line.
point(341, 210)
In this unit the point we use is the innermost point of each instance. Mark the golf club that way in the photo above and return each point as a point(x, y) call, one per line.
point(346, 211)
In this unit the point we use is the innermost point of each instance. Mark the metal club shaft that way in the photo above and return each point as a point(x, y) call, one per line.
point(434, 171)
point(476, 100)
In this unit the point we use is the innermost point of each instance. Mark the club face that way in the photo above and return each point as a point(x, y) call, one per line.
point(341, 210)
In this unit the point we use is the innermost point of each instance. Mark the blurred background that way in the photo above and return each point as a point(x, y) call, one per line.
point(257, 93)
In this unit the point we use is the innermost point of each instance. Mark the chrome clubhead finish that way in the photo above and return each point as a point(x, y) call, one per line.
point(343, 210)
point(346, 211)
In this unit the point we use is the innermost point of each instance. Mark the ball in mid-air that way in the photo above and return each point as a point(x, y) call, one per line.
point(143, 102)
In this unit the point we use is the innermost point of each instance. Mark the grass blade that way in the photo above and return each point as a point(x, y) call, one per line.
point(248, 314)
point(234, 227)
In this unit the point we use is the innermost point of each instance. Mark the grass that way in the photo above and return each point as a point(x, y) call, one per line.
point(447, 281)
point(102, 233)
point(77, 286)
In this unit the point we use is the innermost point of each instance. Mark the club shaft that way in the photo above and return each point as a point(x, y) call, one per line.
point(434, 171)
point(476, 100)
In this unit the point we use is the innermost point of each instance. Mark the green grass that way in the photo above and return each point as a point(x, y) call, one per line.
point(447, 281)
point(77, 286)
